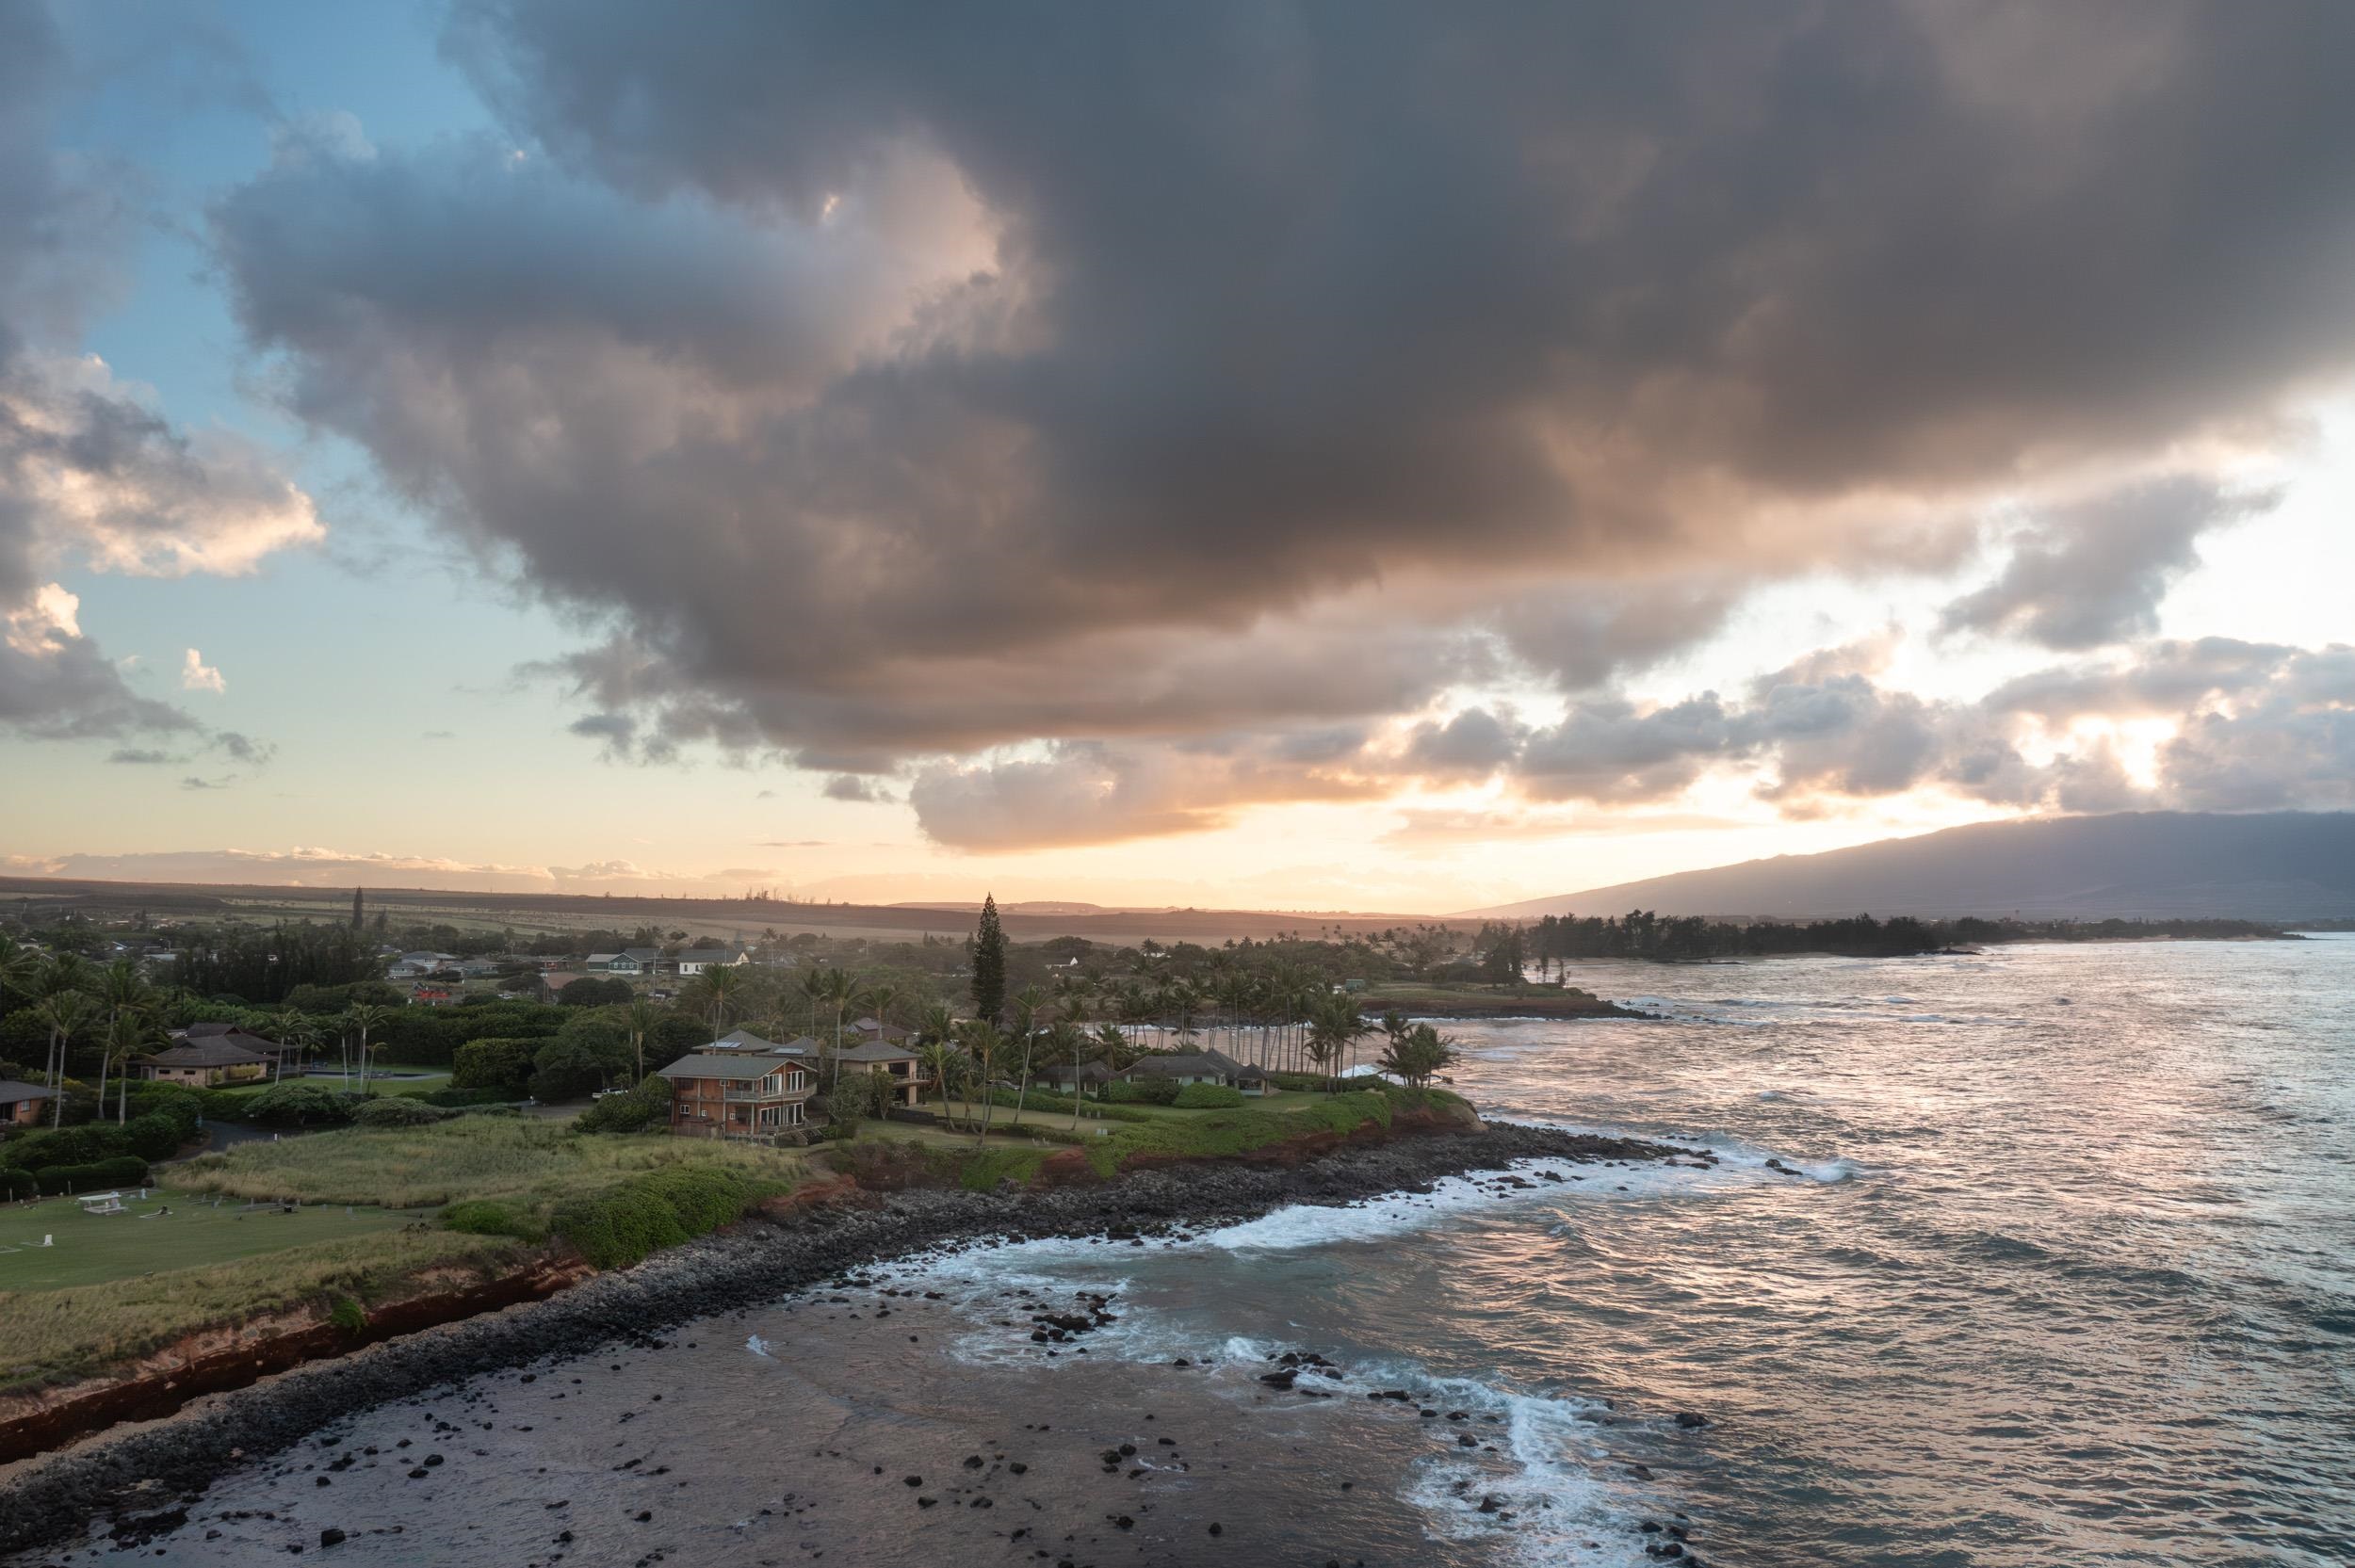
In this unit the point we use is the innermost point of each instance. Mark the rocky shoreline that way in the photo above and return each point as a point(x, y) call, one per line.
point(141, 1478)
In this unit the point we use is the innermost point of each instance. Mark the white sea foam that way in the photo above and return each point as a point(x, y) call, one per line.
point(758, 1346)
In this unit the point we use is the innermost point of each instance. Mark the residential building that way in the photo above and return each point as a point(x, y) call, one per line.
point(21, 1102)
point(695, 960)
point(1067, 1079)
point(873, 1029)
point(1211, 1067)
point(204, 1062)
point(736, 1094)
point(745, 1040)
point(269, 1050)
point(905, 1069)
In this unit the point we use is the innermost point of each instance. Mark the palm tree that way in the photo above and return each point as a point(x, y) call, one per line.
point(362, 1017)
point(302, 1037)
point(879, 1000)
point(813, 989)
point(839, 988)
point(982, 1041)
point(720, 986)
point(640, 1020)
point(1334, 1023)
point(936, 1036)
point(64, 1014)
point(20, 969)
point(128, 1036)
point(939, 1057)
point(1023, 1009)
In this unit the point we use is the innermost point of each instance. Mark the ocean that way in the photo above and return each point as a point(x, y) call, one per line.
point(2059, 1268)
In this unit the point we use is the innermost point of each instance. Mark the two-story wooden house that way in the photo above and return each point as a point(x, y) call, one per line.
point(738, 1094)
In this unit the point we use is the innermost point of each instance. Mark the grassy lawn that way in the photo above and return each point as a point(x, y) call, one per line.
point(94, 1249)
point(474, 1156)
point(427, 1080)
point(121, 1286)
point(54, 1335)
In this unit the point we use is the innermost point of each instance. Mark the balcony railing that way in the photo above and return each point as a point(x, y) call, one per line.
point(756, 1093)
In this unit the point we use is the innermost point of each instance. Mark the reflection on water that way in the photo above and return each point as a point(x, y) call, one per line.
point(2060, 1268)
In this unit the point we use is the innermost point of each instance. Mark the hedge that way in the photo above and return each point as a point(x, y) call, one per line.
point(461, 1098)
point(1207, 1096)
point(660, 1209)
point(1146, 1092)
point(1049, 1100)
point(17, 1183)
point(398, 1110)
point(299, 1105)
point(123, 1171)
point(501, 1062)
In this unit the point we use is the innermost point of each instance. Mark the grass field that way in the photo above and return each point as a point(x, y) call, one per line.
point(95, 1249)
point(51, 1336)
point(474, 1156)
point(427, 1080)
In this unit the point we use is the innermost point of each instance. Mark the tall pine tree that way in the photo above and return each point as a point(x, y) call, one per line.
point(356, 914)
point(989, 964)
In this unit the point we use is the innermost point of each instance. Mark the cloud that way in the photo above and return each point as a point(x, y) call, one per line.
point(194, 782)
point(90, 476)
point(141, 757)
point(851, 786)
point(899, 397)
point(1083, 793)
point(320, 867)
point(196, 675)
point(2095, 572)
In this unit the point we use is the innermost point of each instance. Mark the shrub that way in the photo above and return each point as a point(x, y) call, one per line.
point(590, 1053)
point(17, 1183)
point(347, 1315)
point(299, 1105)
point(493, 1217)
point(155, 1136)
point(500, 1063)
point(658, 1209)
point(80, 1145)
point(398, 1110)
point(634, 1111)
point(1207, 1096)
point(1145, 1092)
point(123, 1171)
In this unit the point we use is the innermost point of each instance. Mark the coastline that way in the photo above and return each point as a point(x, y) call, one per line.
point(140, 1477)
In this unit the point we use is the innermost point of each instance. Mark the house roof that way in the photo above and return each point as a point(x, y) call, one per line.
point(744, 1040)
point(601, 958)
point(722, 1065)
point(215, 1051)
point(1197, 1062)
point(875, 1051)
point(14, 1091)
point(1090, 1071)
point(879, 1029)
point(643, 955)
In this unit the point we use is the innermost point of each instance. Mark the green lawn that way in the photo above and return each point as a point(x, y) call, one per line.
point(430, 1078)
point(475, 1157)
point(93, 1249)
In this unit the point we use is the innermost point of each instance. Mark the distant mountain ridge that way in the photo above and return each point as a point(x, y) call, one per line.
point(2281, 866)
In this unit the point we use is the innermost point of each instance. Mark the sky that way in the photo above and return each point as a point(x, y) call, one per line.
point(1384, 457)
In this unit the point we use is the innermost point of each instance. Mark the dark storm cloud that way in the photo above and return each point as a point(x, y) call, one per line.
point(901, 383)
point(2095, 572)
